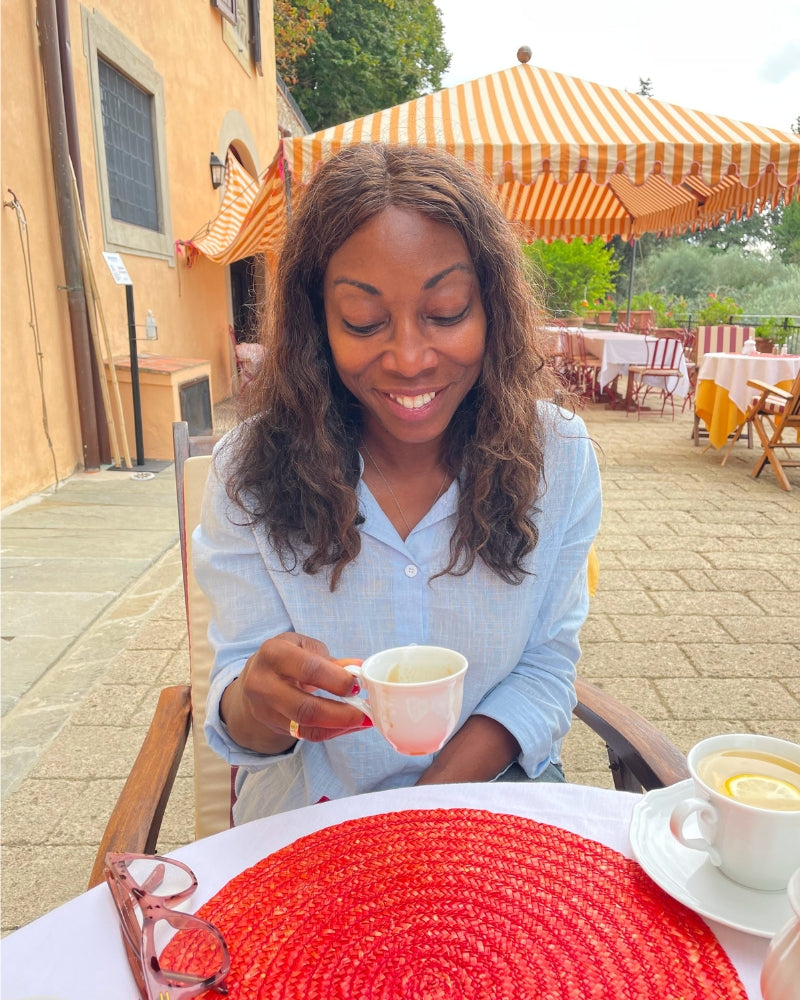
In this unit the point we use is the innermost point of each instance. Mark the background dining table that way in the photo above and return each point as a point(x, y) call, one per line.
point(617, 351)
point(75, 951)
point(723, 395)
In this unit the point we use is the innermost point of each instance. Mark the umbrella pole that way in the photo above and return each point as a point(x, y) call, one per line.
point(630, 284)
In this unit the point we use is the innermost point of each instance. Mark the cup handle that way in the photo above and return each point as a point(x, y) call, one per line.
point(360, 703)
point(706, 811)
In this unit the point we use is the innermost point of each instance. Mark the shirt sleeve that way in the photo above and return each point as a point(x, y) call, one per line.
point(245, 606)
point(535, 701)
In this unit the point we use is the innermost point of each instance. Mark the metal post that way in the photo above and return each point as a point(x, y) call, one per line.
point(137, 402)
point(630, 284)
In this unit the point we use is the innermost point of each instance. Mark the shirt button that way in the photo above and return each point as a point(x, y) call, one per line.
point(411, 571)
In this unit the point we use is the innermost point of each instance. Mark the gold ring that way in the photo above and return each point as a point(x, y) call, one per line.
point(294, 729)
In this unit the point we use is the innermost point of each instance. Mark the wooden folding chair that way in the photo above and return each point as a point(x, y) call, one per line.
point(639, 755)
point(776, 416)
point(135, 822)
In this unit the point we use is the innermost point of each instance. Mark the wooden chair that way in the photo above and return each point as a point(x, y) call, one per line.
point(771, 406)
point(775, 413)
point(663, 371)
point(640, 757)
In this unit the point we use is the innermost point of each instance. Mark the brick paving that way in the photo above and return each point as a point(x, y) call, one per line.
point(696, 623)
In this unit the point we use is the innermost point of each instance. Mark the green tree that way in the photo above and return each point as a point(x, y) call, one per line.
point(678, 269)
point(645, 87)
point(750, 234)
point(295, 26)
point(576, 275)
point(370, 55)
point(786, 233)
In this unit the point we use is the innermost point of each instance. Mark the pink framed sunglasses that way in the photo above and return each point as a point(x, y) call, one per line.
point(145, 888)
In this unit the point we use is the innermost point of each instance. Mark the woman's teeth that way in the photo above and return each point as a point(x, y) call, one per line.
point(413, 402)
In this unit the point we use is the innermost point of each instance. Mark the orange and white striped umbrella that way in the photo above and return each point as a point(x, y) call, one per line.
point(251, 217)
point(573, 158)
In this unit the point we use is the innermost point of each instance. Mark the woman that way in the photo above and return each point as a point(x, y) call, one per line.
point(402, 479)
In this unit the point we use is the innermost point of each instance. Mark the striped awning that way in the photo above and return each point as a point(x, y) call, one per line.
point(573, 158)
point(251, 217)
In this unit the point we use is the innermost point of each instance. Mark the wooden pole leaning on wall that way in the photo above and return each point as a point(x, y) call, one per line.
point(95, 309)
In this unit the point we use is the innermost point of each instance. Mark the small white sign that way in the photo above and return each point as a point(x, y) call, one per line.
point(117, 268)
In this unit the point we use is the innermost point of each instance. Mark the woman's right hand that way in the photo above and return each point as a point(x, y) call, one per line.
point(275, 689)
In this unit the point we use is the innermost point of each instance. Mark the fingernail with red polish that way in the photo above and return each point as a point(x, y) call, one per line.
point(366, 722)
point(355, 689)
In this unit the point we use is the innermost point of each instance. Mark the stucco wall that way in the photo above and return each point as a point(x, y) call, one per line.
point(211, 95)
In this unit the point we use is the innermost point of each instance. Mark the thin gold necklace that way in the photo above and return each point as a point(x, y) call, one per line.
point(392, 492)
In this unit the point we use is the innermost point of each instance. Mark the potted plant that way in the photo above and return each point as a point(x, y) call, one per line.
point(771, 334)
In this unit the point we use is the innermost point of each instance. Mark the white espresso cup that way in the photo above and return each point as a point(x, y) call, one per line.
point(414, 695)
point(756, 845)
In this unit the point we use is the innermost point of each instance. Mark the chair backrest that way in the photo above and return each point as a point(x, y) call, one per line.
point(580, 340)
point(790, 416)
point(664, 353)
point(721, 339)
point(690, 345)
point(213, 777)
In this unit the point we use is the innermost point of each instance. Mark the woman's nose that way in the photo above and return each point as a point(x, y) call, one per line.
point(409, 351)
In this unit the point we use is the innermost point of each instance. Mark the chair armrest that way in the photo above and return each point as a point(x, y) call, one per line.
point(768, 390)
point(640, 756)
point(136, 818)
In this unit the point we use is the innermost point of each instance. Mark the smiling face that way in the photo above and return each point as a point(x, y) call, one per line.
point(405, 324)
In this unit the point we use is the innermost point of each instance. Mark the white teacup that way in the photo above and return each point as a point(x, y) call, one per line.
point(746, 828)
point(414, 695)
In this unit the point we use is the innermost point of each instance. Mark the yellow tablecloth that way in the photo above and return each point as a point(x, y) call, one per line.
point(713, 402)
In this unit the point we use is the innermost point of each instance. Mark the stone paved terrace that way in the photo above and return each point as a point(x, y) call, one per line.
point(696, 623)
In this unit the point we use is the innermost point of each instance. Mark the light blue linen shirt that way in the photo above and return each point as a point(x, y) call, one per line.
point(521, 641)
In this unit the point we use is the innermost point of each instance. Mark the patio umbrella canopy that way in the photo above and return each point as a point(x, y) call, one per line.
point(251, 218)
point(573, 158)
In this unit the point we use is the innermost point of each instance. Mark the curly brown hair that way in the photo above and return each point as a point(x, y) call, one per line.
point(296, 463)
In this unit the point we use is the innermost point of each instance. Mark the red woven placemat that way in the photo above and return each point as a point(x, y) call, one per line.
point(460, 903)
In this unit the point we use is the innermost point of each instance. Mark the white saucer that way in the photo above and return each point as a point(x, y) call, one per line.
point(689, 876)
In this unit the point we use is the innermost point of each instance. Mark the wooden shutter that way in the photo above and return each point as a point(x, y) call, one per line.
point(227, 8)
point(255, 35)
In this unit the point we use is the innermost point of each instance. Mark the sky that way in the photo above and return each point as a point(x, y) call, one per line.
point(741, 61)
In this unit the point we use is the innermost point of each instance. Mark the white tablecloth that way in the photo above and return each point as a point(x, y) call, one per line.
point(75, 952)
point(731, 372)
point(618, 350)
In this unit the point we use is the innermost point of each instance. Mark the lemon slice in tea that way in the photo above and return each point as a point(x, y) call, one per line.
point(766, 793)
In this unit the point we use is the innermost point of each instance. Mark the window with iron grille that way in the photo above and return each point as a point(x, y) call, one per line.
point(128, 138)
point(129, 125)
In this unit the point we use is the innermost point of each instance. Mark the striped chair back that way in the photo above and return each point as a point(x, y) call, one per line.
point(716, 339)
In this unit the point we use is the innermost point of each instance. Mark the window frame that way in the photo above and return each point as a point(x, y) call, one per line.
point(227, 9)
point(102, 39)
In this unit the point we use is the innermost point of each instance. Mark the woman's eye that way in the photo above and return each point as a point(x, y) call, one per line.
point(361, 331)
point(450, 320)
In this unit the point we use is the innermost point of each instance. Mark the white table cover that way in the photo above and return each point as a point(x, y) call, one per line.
point(75, 952)
point(618, 351)
point(732, 371)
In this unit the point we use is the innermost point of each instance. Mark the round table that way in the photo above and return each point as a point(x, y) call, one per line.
point(75, 952)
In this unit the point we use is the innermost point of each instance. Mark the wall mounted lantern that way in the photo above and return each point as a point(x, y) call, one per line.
point(217, 171)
